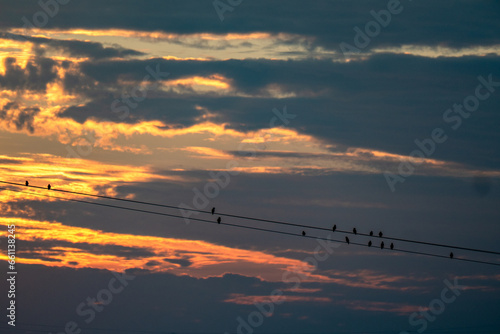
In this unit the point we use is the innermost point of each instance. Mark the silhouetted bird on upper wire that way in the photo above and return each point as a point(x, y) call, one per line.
point(392, 245)
point(213, 210)
point(369, 243)
point(218, 220)
point(347, 240)
point(451, 255)
point(48, 187)
point(334, 227)
point(380, 234)
point(27, 183)
point(371, 233)
point(304, 233)
point(382, 245)
point(354, 231)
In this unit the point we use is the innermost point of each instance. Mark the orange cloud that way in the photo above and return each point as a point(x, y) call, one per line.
point(71, 174)
point(125, 137)
point(263, 170)
point(208, 153)
point(368, 279)
point(397, 308)
point(186, 58)
point(158, 254)
point(20, 50)
point(215, 81)
point(275, 134)
point(241, 299)
point(156, 35)
point(303, 290)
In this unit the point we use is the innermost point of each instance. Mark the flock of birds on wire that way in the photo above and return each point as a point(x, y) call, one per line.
point(354, 231)
point(334, 228)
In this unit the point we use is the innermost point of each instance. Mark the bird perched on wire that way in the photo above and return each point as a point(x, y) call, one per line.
point(213, 210)
point(369, 243)
point(392, 245)
point(27, 183)
point(303, 233)
point(354, 231)
point(48, 187)
point(371, 233)
point(382, 245)
point(218, 220)
point(347, 240)
point(451, 255)
point(380, 234)
point(334, 227)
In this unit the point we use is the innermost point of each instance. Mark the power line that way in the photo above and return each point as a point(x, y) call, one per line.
point(245, 226)
point(258, 219)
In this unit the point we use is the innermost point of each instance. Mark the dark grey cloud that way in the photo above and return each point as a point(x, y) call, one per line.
point(277, 154)
point(21, 118)
point(483, 185)
point(76, 83)
point(176, 303)
point(329, 23)
point(10, 161)
point(25, 119)
point(32, 249)
point(181, 262)
point(38, 72)
point(173, 111)
point(152, 263)
point(382, 103)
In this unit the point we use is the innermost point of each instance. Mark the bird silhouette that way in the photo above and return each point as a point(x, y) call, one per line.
point(382, 245)
point(369, 243)
point(48, 187)
point(27, 183)
point(334, 227)
point(304, 233)
point(371, 233)
point(347, 240)
point(380, 234)
point(213, 210)
point(218, 220)
point(392, 245)
point(451, 255)
point(354, 231)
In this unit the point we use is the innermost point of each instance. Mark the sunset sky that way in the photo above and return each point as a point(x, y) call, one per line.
point(374, 115)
